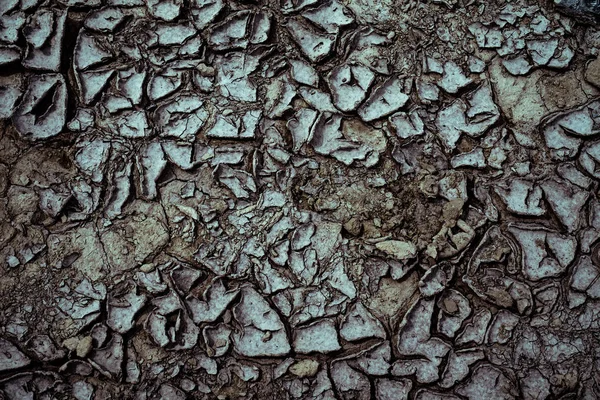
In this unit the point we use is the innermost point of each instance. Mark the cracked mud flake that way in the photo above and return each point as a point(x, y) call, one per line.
point(316, 45)
point(44, 35)
point(43, 108)
point(299, 199)
point(262, 333)
point(11, 357)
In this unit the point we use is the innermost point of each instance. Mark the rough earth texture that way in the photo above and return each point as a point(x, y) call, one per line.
point(299, 199)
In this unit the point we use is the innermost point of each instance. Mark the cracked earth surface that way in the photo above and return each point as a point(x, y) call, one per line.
point(299, 199)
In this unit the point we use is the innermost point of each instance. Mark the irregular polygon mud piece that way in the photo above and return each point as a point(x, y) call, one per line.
point(44, 35)
point(261, 331)
point(415, 340)
point(315, 45)
point(320, 337)
point(299, 199)
point(349, 85)
point(11, 357)
point(472, 117)
point(385, 100)
point(360, 324)
point(123, 305)
point(43, 108)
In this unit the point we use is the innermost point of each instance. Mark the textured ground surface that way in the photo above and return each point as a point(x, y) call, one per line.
point(299, 199)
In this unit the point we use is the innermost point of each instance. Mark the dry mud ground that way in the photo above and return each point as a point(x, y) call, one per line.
point(299, 199)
